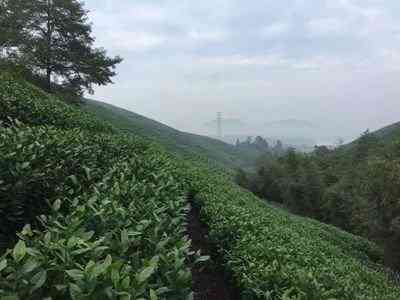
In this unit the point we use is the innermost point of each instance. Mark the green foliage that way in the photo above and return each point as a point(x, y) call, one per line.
point(39, 165)
point(111, 208)
point(380, 211)
point(182, 144)
point(293, 180)
point(111, 219)
point(354, 187)
point(11, 23)
point(275, 255)
point(110, 244)
point(258, 145)
point(337, 204)
point(367, 143)
point(55, 38)
point(30, 105)
point(241, 178)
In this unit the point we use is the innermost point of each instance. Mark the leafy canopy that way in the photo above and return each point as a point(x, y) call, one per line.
point(53, 39)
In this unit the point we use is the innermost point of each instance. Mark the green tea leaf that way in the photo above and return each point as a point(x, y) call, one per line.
point(57, 205)
point(19, 251)
point(39, 279)
point(27, 230)
point(126, 282)
point(14, 297)
point(75, 274)
point(29, 266)
point(190, 296)
point(80, 251)
point(87, 235)
point(202, 258)
point(61, 287)
point(145, 274)
point(25, 165)
point(115, 276)
point(124, 237)
point(72, 241)
point(47, 237)
point(74, 179)
point(153, 295)
point(75, 291)
point(107, 261)
point(3, 264)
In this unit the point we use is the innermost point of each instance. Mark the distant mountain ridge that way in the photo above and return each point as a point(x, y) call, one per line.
point(179, 142)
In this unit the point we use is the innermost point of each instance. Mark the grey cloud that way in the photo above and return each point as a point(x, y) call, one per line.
point(318, 60)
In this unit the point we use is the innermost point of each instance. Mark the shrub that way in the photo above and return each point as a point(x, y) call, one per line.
point(124, 240)
point(39, 165)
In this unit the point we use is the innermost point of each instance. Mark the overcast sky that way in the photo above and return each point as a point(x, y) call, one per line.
point(335, 63)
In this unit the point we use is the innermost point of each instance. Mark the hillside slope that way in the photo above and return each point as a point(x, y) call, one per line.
point(181, 143)
point(113, 213)
point(389, 133)
point(385, 135)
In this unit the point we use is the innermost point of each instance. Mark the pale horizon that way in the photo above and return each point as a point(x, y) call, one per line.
point(334, 63)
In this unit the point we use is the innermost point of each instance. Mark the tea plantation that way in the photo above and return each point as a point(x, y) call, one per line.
point(89, 213)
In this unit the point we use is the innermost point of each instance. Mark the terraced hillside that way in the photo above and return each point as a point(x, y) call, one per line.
point(107, 215)
point(181, 143)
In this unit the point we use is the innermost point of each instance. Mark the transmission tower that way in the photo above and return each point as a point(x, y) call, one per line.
point(219, 124)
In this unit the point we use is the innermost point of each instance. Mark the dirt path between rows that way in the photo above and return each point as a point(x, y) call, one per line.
point(209, 281)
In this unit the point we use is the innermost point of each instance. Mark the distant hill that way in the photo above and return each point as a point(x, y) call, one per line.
point(227, 124)
point(181, 143)
point(389, 132)
point(386, 135)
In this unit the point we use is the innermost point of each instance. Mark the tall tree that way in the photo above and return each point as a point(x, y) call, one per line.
point(53, 38)
point(261, 143)
point(12, 20)
point(365, 144)
point(381, 189)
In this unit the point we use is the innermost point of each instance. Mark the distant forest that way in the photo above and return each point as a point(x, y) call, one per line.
point(261, 144)
point(355, 187)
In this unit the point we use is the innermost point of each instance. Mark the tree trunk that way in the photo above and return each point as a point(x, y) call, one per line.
point(48, 79)
point(49, 44)
point(392, 253)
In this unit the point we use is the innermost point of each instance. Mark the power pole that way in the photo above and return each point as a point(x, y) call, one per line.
point(219, 124)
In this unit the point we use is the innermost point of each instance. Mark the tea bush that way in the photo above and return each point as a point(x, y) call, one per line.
point(112, 217)
point(39, 165)
point(103, 216)
point(272, 254)
point(30, 105)
point(105, 213)
point(123, 240)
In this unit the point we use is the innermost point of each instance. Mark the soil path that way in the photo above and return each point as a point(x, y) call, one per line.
point(209, 281)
